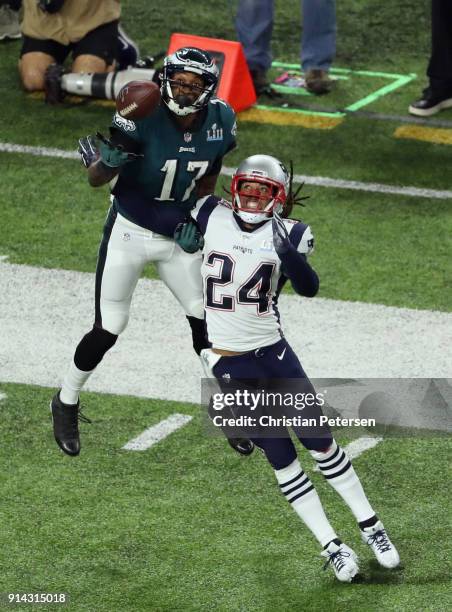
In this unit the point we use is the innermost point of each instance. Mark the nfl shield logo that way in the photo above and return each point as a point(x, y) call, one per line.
point(187, 137)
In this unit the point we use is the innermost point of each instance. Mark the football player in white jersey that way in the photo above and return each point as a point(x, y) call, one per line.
point(249, 252)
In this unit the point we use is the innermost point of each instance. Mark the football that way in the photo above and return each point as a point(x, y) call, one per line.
point(138, 99)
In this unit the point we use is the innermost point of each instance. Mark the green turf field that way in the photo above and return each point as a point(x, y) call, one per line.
point(188, 525)
point(390, 249)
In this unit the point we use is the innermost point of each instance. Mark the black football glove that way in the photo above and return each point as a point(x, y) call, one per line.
point(281, 240)
point(188, 237)
point(112, 155)
point(88, 150)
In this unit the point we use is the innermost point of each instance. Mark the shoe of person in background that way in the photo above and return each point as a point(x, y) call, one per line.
point(259, 77)
point(128, 52)
point(9, 23)
point(318, 82)
point(430, 103)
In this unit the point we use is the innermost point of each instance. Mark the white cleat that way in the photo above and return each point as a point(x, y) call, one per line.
point(384, 550)
point(343, 559)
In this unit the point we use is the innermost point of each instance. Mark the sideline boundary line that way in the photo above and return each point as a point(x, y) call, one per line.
point(320, 181)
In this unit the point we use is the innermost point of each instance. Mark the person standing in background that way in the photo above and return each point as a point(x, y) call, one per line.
point(438, 95)
point(254, 26)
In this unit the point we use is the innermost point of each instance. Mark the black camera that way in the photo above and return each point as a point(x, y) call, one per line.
point(50, 6)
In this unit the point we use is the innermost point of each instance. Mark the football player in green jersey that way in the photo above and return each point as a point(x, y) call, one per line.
point(160, 166)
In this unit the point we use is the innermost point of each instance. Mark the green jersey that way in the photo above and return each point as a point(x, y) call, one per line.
point(158, 191)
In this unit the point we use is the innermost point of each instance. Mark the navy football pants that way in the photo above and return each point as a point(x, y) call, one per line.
point(262, 369)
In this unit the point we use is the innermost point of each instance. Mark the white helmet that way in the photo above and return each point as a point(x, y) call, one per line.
point(263, 169)
point(188, 59)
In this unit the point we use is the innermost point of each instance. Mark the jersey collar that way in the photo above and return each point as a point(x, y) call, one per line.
point(196, 125)
point(249, 230)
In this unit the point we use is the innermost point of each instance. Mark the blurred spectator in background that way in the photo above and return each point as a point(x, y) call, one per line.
point(438, 95)
point(254, 25)
point(54, 28)
point(9, 19)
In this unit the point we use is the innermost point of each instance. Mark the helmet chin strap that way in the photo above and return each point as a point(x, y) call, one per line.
point(253, 217)
point(180, 111)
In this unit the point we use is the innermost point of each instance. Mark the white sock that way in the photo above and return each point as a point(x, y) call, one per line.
point(72, 384)
point(340, 474)
point(300, 493)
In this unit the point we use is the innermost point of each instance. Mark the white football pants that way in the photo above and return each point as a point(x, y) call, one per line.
point(120, 265)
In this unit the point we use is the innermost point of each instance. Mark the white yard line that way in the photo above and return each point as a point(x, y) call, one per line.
point(360, 445)
point(8, 147)
point(158, 432)
point(154, 358)
point(2, 396)
point(322, 181)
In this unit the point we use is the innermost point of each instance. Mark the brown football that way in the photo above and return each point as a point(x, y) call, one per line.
point(138, 99)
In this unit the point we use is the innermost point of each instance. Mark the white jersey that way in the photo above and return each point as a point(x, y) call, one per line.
point(242, 276)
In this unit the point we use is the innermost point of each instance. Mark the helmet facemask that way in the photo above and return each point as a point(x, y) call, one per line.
point(255, 204)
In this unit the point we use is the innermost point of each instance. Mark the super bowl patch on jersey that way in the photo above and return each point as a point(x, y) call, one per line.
point(214, 133)
point(126, 124)
point(267, 245)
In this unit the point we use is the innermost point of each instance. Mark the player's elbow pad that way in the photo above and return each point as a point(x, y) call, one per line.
point(308, 288)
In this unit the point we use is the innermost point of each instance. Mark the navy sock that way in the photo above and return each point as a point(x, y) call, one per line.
point(336, 541)
point(369, 522)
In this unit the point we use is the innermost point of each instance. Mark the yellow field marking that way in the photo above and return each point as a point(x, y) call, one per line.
point(106, 103)
point(427, 134)
point(257, 115)
point(73, 99)
point(316, 122)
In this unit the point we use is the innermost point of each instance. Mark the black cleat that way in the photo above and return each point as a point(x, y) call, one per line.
point(65, 425)
point(243, 446)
